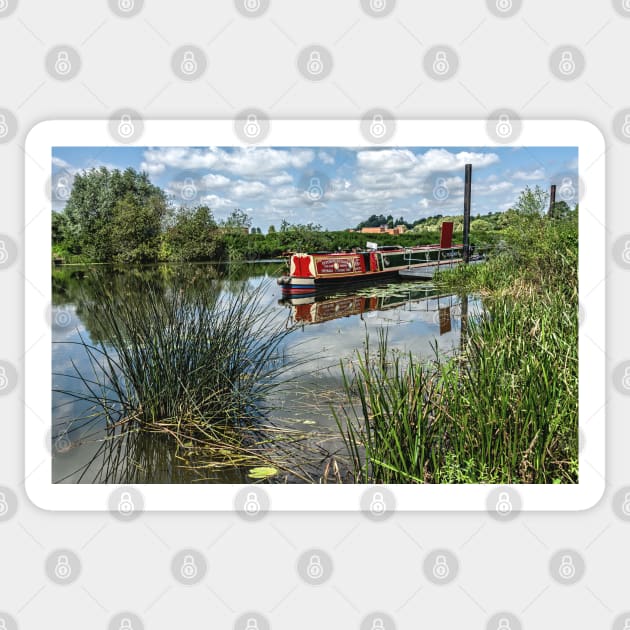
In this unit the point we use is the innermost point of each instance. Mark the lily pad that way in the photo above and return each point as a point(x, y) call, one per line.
point(262, 472)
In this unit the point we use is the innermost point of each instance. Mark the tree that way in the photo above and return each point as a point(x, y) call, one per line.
point(238, 219)
point(560, 210)
point(480, 225)
point(98, 199)
point(135, 230)
point(195, 236)
point(531, 202)
point(271, 229)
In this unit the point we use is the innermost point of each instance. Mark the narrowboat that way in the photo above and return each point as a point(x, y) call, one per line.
point(310, 272)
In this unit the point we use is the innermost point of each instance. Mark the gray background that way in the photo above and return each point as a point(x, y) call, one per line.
point(504, 62)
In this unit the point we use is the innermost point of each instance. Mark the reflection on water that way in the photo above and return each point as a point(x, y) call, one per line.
point(327, 330)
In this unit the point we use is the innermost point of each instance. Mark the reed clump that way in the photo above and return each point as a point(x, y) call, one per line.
point(195, 364)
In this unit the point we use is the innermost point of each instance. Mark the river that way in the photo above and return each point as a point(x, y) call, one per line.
point(327, 332)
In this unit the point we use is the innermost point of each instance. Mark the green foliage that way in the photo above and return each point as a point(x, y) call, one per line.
point(135, 230)
point(193, 365)
point(100, 204)
point(532, 202)
point(506, 410)
point(194, 236)
point(238, 220)
point(121, 217)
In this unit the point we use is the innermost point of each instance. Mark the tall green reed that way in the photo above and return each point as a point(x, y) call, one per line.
point(192, 363)
point(506, 409)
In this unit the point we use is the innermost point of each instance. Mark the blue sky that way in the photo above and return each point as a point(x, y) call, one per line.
point(334, 187)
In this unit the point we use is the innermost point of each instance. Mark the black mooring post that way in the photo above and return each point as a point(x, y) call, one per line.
point(467, 185)
point(552, 200)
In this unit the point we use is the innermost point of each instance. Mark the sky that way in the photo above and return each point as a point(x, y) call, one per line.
point(334, 187)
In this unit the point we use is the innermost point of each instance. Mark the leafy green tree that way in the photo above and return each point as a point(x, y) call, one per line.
point(271, 229)
point(238, 219)
point(194, 236)
point(532, 202)
point(560, 210)
point(135, 230)
point(480, 225)
point(94, 204)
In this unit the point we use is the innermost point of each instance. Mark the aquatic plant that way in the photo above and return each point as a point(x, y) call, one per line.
point(191, 363)
point(506, 409)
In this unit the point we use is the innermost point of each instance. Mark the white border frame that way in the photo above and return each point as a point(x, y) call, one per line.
point(325, 133)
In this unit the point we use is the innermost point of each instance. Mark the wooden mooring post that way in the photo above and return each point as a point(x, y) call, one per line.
point(467, 187)
point(552, 200)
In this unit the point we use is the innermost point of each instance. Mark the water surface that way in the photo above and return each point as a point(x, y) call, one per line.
point(329, 330)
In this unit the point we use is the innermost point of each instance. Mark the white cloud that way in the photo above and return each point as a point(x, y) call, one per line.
point(244, 162)
point(248, 190)
point(326, 158)
point(62, 164)
point(214, 202)
point(213, 180)
point(279, 180)
point(422, 164)
point(534, 175)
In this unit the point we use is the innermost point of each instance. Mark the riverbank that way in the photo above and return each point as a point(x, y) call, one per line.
point(506, 409)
